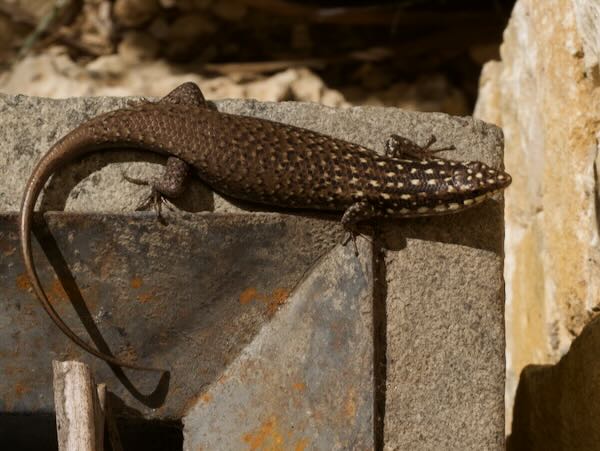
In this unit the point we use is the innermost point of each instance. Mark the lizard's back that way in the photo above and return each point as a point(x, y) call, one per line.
point(248, 158)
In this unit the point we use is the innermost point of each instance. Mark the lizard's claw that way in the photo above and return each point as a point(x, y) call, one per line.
point(428, 150)
point(351, 235)
point(155, 200)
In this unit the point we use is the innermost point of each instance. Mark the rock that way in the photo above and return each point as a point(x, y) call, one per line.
point(159, 28)
point(544, 95)
point(138, 46)
point(189, 27)
point(230, 10)
point(168, 3)
point(132, 13)
point(372, 77)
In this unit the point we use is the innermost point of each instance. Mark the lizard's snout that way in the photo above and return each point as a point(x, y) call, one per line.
point(477, 176)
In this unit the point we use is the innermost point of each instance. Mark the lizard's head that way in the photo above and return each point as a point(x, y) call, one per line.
point(445, 186)
point(474, 182)
point(477, 178)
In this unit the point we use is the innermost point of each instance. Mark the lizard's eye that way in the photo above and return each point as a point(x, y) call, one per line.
point(468, 175)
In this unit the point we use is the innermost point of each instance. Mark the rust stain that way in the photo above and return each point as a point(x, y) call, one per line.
point(272, 301)
point(12, 371)
point(267, 437)
point(21, 389)
point(57, 293)
point(350, 404)
point(248, 295)
point(195, 400)
point(278, 297)
point(301, 444)
point(299, 386)
point(136, 282)
point(23, 282)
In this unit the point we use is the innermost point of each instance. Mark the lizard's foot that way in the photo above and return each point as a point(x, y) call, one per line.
point(155, 200)
point(170, 185)
point(400, 147)
point(351, 235)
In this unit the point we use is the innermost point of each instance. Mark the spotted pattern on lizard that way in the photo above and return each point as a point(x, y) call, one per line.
point(268, 163)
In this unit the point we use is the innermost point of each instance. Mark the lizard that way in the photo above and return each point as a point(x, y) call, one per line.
point(263, 162)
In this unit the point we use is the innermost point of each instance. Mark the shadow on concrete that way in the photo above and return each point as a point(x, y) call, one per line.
point(197, 197)
point(557, 407)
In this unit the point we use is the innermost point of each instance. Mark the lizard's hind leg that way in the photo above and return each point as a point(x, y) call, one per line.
point(170, 185)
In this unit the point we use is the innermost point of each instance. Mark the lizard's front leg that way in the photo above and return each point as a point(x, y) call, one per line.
point(398, 146)
point(358, 212)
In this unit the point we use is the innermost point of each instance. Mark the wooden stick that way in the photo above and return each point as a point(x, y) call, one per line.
point(79, 410)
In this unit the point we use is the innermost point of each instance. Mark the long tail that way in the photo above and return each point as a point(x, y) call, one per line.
point(70, 147)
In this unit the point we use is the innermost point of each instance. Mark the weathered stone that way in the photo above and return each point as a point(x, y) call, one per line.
point(138, 46)
point(556, 406)
point(544, 95)
point(132, 13)
point(189, 27)
point(231, 10)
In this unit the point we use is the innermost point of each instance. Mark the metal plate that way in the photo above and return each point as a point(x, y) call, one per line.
point(188, 296)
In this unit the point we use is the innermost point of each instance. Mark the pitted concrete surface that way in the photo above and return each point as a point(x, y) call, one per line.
point(442, 283)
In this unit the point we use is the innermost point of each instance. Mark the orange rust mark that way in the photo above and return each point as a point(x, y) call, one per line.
point(57, 293)
point(301, 445)
point(267, 437)
point(206, 398)
point(136, 282)
point(23, 282)
point(299, 386)
point(21, 389)
point(278, 298)
point(350, 404)
point(145, 297)
point(272, 301)
point(248, 295)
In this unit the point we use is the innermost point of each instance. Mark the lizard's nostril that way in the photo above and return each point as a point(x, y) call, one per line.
point(504, 179)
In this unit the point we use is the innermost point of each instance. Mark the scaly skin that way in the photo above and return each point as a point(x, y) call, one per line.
point(268, 163)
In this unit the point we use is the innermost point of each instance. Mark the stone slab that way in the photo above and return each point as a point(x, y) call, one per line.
point(306, 381)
